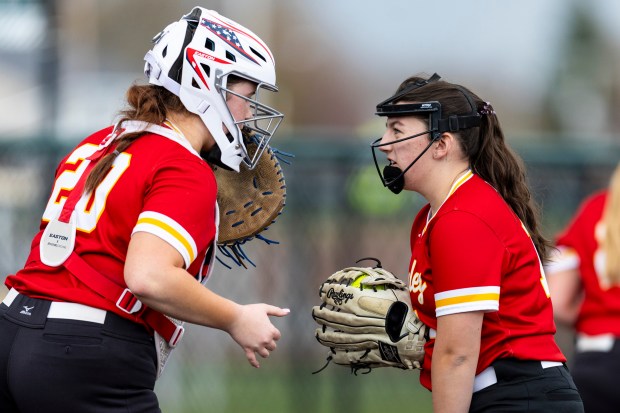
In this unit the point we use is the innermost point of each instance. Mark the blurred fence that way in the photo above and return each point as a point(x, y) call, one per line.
point(336, 213)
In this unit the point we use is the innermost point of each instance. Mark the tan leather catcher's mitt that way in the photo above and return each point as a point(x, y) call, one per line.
point(249, 200)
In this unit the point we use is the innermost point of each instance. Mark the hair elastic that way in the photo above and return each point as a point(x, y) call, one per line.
point(486, 109)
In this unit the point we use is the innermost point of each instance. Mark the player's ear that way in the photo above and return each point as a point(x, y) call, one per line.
point(443, 145)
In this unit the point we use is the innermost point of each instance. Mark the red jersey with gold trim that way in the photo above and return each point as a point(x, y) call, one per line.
point(580, 249)
point(474, 254)
point(159, 185)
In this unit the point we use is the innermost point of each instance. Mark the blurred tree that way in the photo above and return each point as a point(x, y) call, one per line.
point(580, 98)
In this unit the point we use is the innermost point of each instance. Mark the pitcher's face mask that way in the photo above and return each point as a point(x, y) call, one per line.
point(393, 177)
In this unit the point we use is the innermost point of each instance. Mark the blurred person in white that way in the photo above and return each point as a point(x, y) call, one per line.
point(129, 233)
point(584, 279)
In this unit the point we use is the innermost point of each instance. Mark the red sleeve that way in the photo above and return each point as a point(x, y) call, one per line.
point(179, 207)
point(582, 224)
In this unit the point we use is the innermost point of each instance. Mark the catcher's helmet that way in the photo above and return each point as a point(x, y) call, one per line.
point(194, 57)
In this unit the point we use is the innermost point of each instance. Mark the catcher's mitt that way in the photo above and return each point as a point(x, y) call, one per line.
point(366, 320)
point(249, 200)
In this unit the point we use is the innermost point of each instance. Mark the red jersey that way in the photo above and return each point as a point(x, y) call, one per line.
point(159, 185)
point(474, 254)
point(580, 244)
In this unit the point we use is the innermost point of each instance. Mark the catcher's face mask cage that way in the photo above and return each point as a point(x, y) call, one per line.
point(263, 123)
point(194, 57)
point(393, 177)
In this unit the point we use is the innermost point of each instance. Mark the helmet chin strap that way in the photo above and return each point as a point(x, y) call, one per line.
point(394, 178)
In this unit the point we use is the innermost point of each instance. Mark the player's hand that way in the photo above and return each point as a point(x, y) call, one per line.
point(253, 330)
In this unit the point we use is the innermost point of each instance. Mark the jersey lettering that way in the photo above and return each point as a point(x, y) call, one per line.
point(415, 283)
point(90, 207)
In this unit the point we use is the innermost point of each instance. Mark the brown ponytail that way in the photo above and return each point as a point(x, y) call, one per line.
point(497, 164)
point(484, 146)
point(146, 103)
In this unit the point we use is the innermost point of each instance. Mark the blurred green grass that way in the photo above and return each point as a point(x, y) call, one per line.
point(291, 388)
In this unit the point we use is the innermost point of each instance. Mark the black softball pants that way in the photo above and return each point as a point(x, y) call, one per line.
point(525, 387)
point(58, 365)
point(596, 376)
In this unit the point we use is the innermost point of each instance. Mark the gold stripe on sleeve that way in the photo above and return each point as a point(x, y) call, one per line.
point(467, 299)
point(171, 231)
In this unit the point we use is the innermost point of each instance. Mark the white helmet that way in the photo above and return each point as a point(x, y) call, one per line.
point(194, 57)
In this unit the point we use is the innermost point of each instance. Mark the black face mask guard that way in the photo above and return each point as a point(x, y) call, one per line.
point(394, 178)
